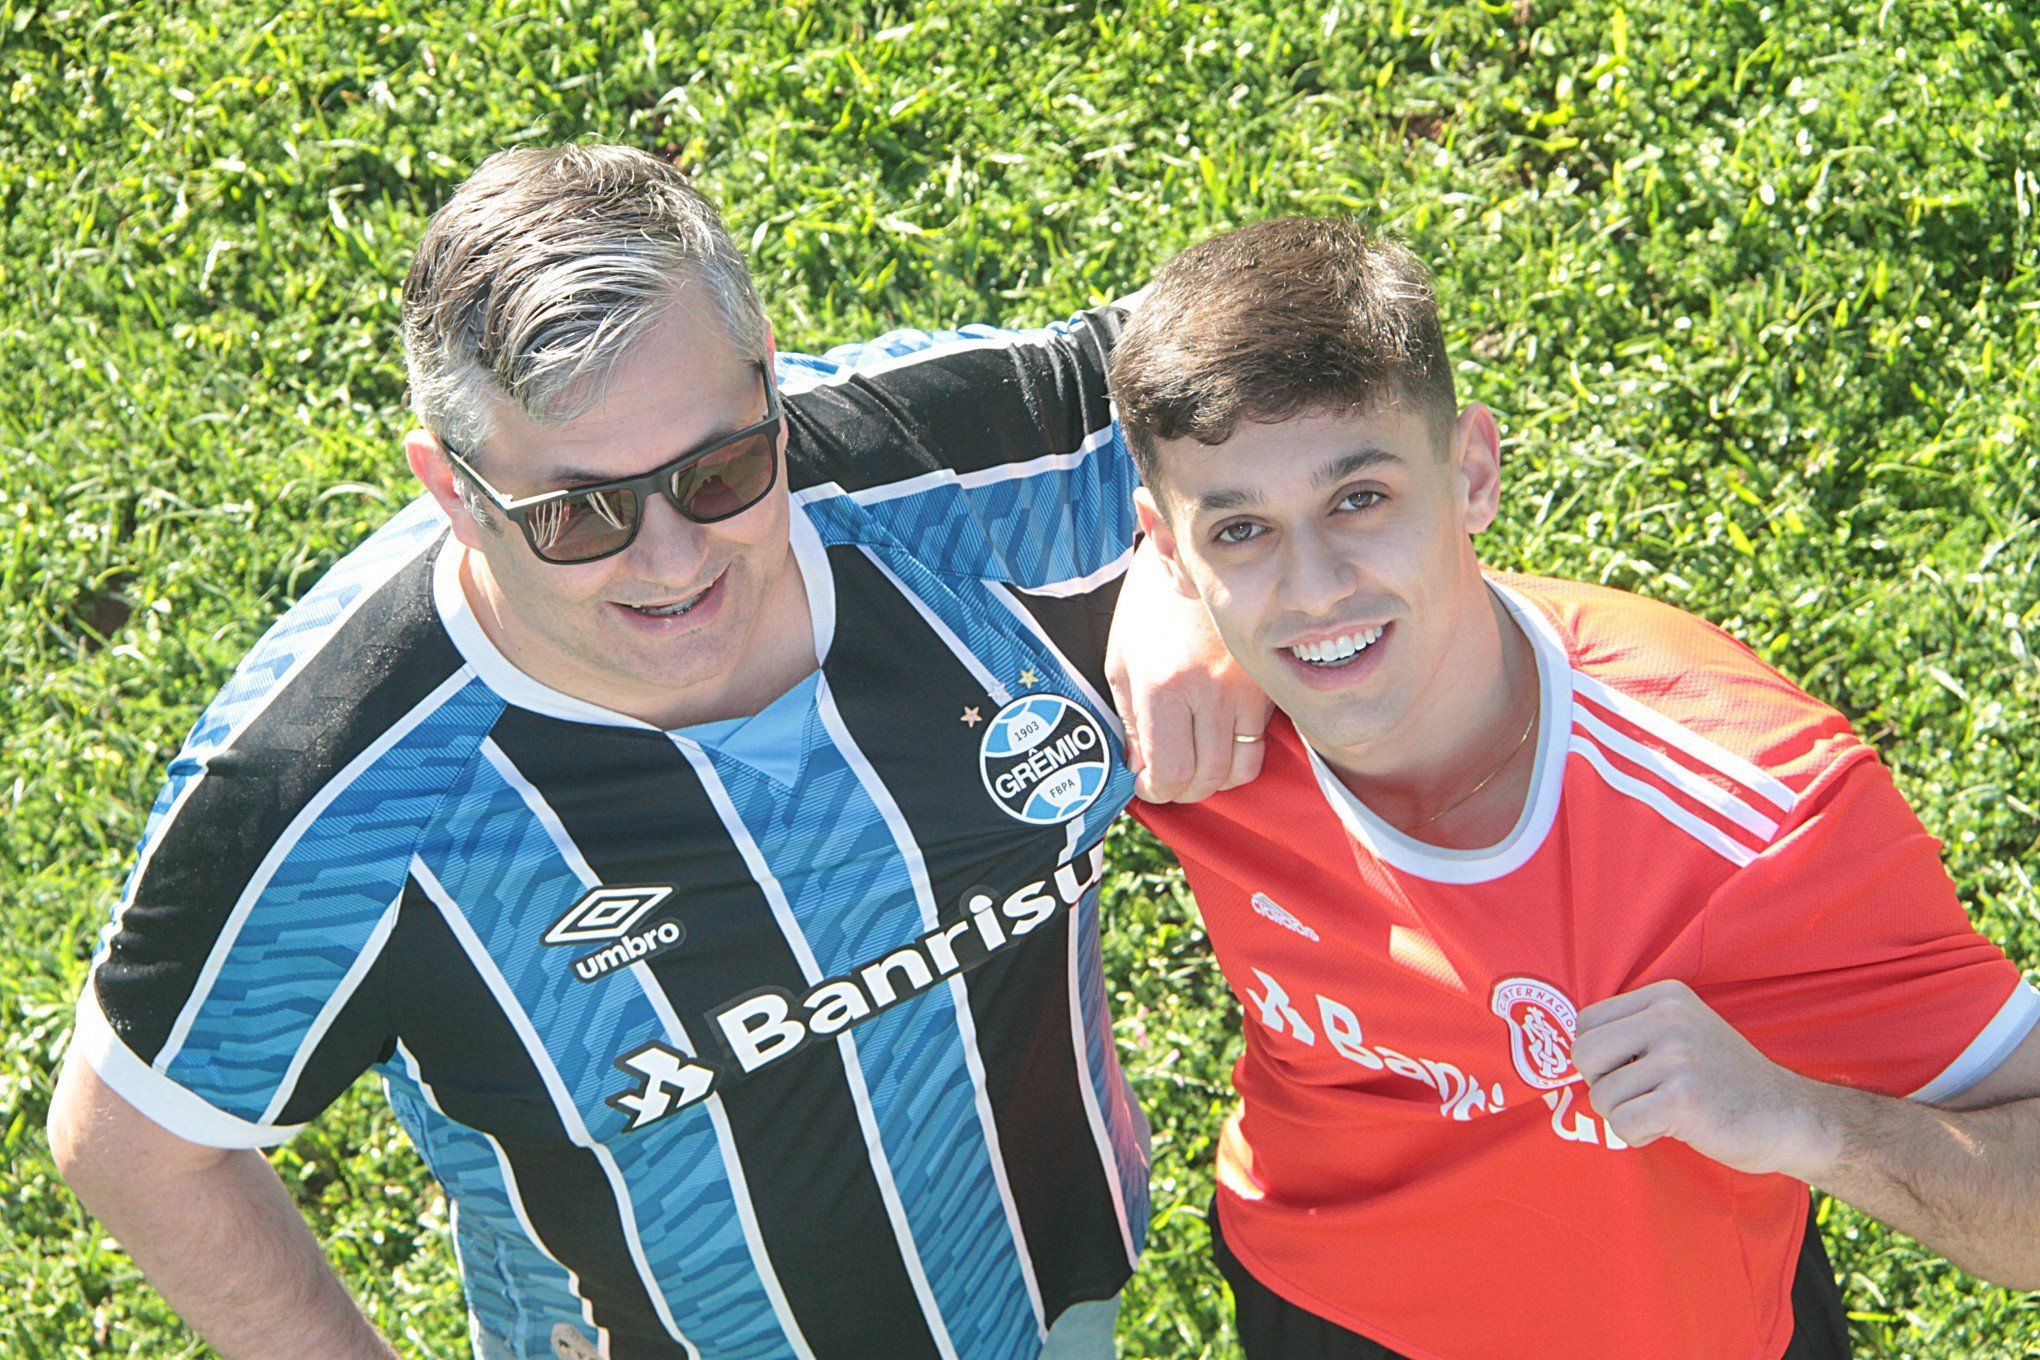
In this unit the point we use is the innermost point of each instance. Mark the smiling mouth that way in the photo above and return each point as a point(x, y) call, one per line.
point(675, 609)
point(1339, 651)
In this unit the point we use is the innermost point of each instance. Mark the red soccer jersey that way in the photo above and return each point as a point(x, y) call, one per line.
point(1414, 1157)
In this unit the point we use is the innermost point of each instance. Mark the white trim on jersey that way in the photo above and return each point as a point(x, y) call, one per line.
point(166, 1103)
point(962, 481)
point(1004, 596)
point(280, 849)
point(1991, 1046)
point(371, 583)
point(542, 811)
point(811, 558)
point(1000, 695)
point(1082, 585)
point(853, 1067)
point(1087, 1087)
point(511, 1191)
point(556, 1087)
point(662, 1005)
point(1658, 801)
point(1674, 733)
point(1547, 778)
point(1709, 795)
point(802, 379)
point(497, 671)
point(350, 982)
point(959, 996)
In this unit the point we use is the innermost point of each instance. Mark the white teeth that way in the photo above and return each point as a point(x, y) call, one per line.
point(670, 611)
point(1338, 649)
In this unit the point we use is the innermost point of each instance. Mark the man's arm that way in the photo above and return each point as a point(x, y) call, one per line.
point(213, 1229)
point(1659, 1063)
point(1183, 700)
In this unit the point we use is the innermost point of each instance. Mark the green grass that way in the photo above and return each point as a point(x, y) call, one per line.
point(1755, 290)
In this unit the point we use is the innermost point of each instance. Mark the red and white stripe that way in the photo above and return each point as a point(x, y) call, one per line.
point(1713, 795)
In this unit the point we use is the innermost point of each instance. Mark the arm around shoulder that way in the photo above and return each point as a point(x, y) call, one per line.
point(212, 1228)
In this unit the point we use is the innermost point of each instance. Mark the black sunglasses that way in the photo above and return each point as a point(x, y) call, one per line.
point(588, 523)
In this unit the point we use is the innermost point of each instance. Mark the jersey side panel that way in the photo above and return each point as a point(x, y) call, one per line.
point(647, 819)
point(1022, 1010)
point(539, 1202)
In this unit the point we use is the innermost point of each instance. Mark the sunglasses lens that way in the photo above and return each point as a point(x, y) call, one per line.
point(728, 481)
point(580, 528)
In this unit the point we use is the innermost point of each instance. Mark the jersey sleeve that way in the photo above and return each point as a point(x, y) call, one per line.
point(235, 992)
point(986, 453)
point(1843, 953)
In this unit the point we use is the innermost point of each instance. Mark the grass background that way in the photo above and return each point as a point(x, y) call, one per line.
point(1754, 289)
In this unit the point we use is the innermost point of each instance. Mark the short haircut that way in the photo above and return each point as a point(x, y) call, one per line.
point(543, 270)
point(1289, 317)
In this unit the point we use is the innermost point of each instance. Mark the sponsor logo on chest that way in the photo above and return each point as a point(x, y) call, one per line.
point(771, 1024)
point(1541, 1022)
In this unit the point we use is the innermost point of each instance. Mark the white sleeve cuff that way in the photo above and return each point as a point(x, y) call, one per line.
point(1992, 1045)
point(158, 1097)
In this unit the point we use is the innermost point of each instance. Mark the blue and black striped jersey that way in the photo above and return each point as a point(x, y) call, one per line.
point(778, 1037)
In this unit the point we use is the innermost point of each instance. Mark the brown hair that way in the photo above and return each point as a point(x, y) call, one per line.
point(1283, 318)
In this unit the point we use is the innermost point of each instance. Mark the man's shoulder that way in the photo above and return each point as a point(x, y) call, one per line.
point(911, 404)
point(1656, 673)
point(361, 653)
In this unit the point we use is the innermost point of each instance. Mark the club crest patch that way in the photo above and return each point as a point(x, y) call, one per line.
point(1044, 759)
point(1542, 1023)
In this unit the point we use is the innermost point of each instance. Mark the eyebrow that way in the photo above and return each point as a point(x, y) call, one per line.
point(1330, 475)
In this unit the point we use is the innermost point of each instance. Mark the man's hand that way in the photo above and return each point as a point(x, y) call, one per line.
point(1659, 1063)
point(1183, 700)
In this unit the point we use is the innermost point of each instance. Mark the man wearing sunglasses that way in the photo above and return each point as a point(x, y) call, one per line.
point(692, 810)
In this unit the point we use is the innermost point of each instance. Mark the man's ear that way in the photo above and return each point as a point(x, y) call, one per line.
point(1156, 526)
point(1477, 463)
point(428, 463)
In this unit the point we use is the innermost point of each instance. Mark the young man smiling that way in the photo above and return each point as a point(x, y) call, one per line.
point(1572, 940)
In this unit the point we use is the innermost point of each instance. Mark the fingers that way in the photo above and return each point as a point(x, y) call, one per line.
point(1168, 751)
point(1642, 1120)
point(1614, 1089)
point(1250, 716)
point(1609, 1045)
point(1619, 1007)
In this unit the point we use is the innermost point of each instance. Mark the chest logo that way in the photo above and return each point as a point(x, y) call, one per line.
point(1542, 1023)
point(1268, 907)
point(1044, 759)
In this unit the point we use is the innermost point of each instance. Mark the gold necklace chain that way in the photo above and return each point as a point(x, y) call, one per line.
point(1527, 729)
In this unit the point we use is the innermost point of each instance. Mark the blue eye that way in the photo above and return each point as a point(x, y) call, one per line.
point(1239, 531)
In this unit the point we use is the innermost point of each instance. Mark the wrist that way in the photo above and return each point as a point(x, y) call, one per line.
point(1824, 1119)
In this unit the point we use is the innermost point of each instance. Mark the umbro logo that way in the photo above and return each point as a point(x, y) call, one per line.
point(606, 914)
point(1267, 906)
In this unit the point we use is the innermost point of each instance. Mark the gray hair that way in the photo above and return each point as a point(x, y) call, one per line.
point(543, 270)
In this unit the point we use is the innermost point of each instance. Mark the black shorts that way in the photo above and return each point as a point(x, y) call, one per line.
point(1273, 1328)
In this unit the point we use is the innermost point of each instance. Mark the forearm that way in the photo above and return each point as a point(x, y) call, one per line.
point(230, 1252)
point(1964, 1182)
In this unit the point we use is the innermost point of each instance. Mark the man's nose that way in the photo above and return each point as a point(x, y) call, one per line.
point(670, 548)
point(1315, 579)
